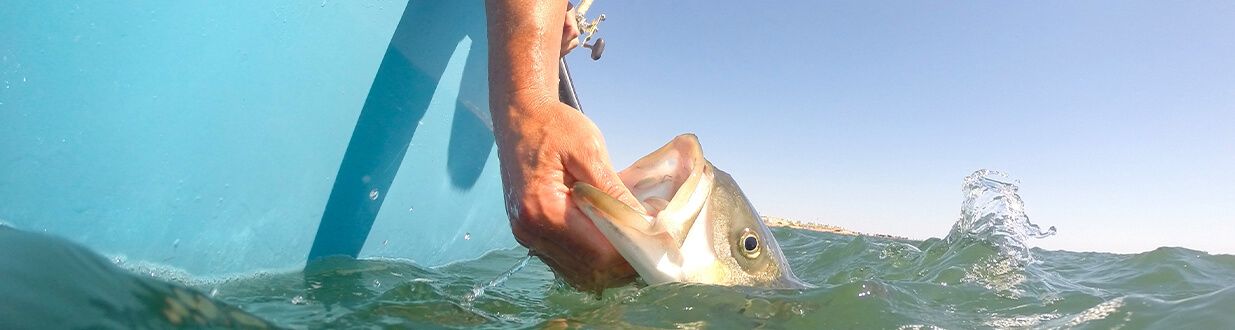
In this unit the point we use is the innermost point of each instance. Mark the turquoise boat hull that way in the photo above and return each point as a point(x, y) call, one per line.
point(235, 138)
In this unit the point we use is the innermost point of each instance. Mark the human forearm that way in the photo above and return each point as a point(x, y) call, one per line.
point(524, 47)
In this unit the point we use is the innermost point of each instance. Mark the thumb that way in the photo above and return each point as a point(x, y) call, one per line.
point(599, 173)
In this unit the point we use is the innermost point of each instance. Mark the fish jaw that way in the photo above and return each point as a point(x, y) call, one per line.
point(648, 247)
point(673, 183)
point(696, 214)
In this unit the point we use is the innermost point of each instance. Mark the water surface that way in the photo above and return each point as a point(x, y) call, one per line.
point(980, 275)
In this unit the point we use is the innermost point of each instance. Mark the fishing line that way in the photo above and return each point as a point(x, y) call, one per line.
point(479, 290)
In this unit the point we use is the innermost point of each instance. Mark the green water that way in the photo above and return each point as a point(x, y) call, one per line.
point(864, 282)
point(982, 274)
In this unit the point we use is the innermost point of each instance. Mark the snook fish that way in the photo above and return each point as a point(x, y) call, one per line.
point(698, 228)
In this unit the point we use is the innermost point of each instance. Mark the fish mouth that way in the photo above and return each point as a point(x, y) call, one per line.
point(651, 250)
point(678, 238)
point(673, 183)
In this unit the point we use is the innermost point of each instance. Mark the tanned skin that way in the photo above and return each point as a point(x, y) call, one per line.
point(546, 146)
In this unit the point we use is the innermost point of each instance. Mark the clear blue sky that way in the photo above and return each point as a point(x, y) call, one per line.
point(1115, 115)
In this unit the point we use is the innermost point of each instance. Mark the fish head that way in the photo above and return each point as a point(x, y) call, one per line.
point(699, 227)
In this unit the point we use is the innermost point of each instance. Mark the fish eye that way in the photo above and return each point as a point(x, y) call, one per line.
point(750, 244)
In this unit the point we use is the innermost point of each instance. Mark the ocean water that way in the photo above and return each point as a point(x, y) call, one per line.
point(982, 274)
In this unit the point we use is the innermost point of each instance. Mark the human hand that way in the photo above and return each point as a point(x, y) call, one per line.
point(570, 31)
point(544, 150)
point(545, 147)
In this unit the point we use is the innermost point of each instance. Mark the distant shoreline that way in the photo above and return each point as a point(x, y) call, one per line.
point(782, 222)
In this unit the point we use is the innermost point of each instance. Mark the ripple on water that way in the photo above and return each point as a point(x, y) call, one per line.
point(973, 278)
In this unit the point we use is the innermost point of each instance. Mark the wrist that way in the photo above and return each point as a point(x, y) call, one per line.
point(511, 110)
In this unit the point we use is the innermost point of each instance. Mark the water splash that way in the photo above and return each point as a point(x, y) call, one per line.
point(994, 213)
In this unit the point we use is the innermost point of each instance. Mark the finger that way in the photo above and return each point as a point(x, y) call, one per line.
point(570, 33)
point(569, 45)
point(582, 255)
point(571, 20)
point(606, 266)
point(596, 170)
point(571, 28)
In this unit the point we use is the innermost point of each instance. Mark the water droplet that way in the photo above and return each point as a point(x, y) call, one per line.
point(176, 243)
point(298, 300)
point(373, 194)
point(23, 79)
point(467, 236)
point(323, 3)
